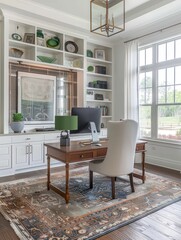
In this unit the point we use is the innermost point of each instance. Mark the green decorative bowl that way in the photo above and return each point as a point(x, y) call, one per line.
point(53, 42)
point(90, 69)
point(46, 59)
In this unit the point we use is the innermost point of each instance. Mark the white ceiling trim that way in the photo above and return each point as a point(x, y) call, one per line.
point(145, 8)
point(43, 11)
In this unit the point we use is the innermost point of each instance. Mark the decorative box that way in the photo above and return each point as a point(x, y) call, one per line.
point(100, 69)
point(99, 96)
point(102, 84)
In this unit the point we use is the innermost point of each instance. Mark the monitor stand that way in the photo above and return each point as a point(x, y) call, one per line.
point(95, 137)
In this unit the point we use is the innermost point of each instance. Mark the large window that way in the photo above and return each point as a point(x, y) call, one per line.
point(159, 89)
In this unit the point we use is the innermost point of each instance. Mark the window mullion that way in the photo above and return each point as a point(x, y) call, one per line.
point(154, 112)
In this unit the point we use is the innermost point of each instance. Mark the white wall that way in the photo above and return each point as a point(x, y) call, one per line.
point(164, 154)
point(1, 76)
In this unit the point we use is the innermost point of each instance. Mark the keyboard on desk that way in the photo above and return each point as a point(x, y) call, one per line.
point(44, 129)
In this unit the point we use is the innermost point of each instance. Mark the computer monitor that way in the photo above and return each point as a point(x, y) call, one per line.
point(86, 115)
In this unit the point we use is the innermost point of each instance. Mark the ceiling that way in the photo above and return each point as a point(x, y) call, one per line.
point(142, 16)
point(81, 8)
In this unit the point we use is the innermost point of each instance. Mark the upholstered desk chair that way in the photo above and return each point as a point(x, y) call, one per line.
point(120, 155)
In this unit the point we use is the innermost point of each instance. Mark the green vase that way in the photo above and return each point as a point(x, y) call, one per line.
point(40, 33)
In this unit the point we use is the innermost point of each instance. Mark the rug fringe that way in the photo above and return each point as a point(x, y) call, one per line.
point(18, 232)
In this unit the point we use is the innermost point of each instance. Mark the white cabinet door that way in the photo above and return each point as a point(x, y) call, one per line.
point(27, 151)
point(30, 154)
point(6, 167)
point(5, 156)
point(21, 155)
point(36, 153)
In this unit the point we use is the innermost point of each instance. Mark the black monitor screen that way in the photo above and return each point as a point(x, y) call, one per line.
point(85, 116)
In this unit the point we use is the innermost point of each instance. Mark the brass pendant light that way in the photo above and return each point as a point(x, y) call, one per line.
point(107, 17)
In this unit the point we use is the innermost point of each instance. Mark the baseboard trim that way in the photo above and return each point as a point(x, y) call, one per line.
point(163, 162)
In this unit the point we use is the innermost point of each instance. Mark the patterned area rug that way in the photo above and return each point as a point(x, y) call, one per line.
point(36, 213)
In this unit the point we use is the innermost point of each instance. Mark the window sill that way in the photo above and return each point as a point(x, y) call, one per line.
point(163, 142)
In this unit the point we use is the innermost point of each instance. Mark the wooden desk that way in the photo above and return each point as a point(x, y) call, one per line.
point(78, 153)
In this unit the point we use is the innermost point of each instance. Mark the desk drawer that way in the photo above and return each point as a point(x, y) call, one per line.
point(140, 147)
point(81, 156)
point(101, 153)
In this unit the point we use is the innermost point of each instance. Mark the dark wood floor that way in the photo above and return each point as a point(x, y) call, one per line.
point(164, 224)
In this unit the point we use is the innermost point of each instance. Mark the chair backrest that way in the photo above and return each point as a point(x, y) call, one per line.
point(122, 136)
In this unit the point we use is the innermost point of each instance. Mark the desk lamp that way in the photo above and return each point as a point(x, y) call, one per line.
point(65, 123)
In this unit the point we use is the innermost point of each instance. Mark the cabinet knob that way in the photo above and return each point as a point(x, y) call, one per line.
point(28, 138)
point(81, 156)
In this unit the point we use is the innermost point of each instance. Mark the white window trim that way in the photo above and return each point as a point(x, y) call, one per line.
point(154, 67)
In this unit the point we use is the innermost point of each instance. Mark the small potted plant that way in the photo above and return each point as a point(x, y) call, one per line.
point(17, 123)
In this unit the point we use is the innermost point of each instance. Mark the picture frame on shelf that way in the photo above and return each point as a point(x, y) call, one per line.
point(99, 54)
point(29, 38)
point(99, 96)
point(90, 95)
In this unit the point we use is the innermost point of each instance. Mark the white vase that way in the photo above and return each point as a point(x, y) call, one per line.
point(17, 127)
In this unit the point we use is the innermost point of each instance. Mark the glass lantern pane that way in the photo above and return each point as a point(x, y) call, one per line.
point(98, 12)
point(107, 17)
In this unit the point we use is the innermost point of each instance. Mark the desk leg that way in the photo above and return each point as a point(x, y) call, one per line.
point(48, 173)
point(143, 167)
point(67, 196)
point(142, 175)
